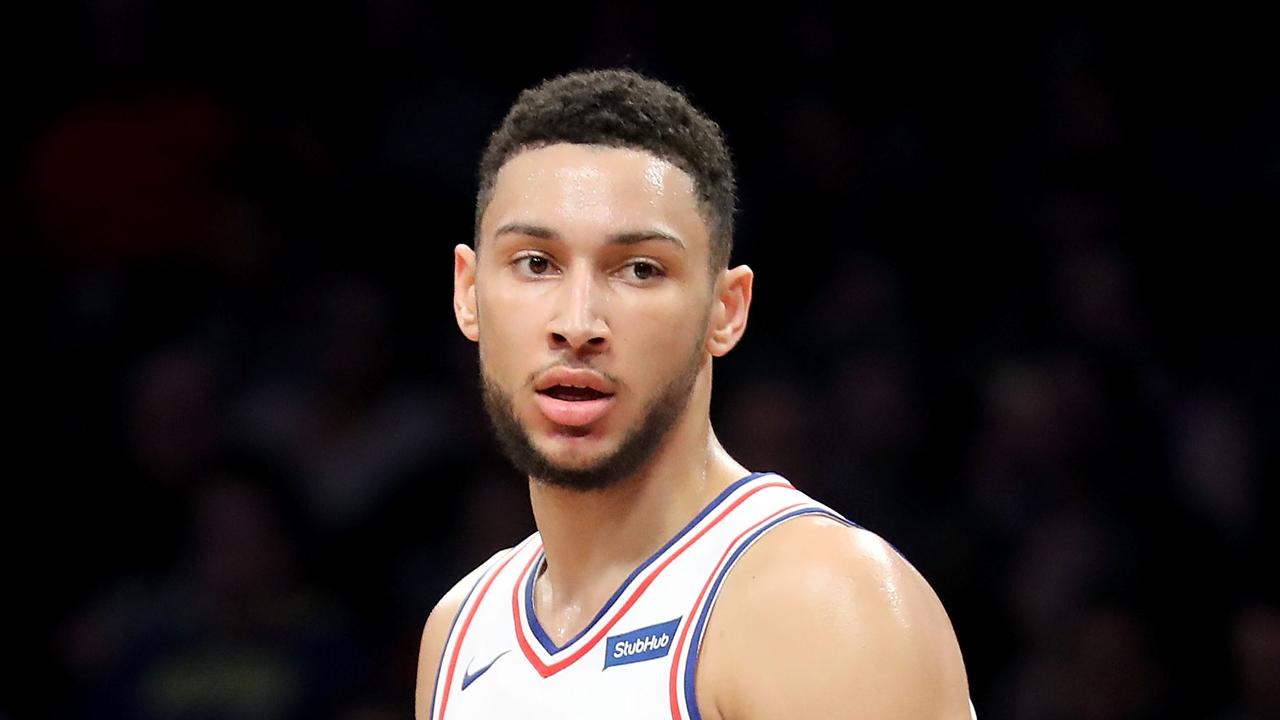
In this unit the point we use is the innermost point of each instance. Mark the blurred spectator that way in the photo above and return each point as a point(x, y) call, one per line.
point(337, 411)
point(235, 631)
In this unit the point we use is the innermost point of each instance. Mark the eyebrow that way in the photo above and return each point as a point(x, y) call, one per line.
point(629, 237)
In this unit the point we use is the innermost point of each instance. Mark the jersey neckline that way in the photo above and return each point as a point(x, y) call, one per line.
point(536, 566)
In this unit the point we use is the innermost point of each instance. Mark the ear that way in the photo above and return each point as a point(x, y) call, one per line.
point(464, 291)
point(729, 311)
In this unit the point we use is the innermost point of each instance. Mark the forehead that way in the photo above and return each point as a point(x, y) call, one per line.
point(590, 187)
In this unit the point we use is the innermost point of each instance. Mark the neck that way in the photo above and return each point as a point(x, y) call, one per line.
point(594, 540)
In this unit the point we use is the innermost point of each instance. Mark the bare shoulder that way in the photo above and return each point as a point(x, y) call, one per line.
point(819, 619)
point(434, 636)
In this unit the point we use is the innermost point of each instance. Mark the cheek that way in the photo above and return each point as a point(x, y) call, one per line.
point(504, 341)
point(660, 336)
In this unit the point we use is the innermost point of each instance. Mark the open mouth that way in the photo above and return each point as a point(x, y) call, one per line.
point(573, 405)
point(574, 397)
point(572, 393)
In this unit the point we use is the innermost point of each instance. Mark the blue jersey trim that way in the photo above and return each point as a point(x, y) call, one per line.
point(691, 661)
point(547, 643)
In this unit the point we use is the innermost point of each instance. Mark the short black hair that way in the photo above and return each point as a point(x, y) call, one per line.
point(621, 108)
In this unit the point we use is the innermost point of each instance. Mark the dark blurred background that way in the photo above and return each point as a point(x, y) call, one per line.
point(1010, 313)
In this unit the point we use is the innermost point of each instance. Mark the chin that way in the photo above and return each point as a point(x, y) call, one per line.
point(576, 453)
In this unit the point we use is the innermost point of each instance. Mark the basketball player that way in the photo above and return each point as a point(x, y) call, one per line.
point(665, 579)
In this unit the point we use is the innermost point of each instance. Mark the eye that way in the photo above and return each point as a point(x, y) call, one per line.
point(537, 264)
point(643, 270)
point(533, 265)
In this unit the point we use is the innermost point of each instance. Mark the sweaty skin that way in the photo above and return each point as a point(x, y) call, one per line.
point(599, 258)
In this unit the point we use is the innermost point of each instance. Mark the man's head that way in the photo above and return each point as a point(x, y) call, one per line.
point(605, 199)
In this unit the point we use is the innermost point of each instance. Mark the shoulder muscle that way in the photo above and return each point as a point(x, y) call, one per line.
point(822, 620)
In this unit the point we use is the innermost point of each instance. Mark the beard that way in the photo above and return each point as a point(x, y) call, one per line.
point(630, 456)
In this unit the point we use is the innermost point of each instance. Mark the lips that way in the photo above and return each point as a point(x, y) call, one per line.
point(573, 396)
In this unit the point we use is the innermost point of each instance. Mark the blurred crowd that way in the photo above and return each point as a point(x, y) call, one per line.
point(1010, 314)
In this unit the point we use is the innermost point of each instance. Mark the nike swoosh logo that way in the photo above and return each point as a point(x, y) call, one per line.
point(469, 677)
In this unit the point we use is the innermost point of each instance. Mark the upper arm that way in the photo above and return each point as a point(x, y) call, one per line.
point(434, 636)
point(821, 620)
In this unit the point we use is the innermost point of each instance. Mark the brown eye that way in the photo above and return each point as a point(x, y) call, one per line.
point(644, 270)
point(537, 264)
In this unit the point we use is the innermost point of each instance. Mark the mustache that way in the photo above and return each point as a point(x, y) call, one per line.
point(570, 363)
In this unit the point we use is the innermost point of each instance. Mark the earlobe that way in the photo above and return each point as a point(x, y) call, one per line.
point(464, 291)
point(732, 305)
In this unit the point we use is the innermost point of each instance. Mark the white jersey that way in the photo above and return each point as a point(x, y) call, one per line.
point(638, 657)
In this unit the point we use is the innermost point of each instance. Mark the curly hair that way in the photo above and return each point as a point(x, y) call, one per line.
point(621, 108)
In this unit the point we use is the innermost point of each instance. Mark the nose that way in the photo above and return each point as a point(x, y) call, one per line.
point(577, 323)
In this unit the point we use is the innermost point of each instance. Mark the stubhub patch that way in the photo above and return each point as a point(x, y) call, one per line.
point(647, 643)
